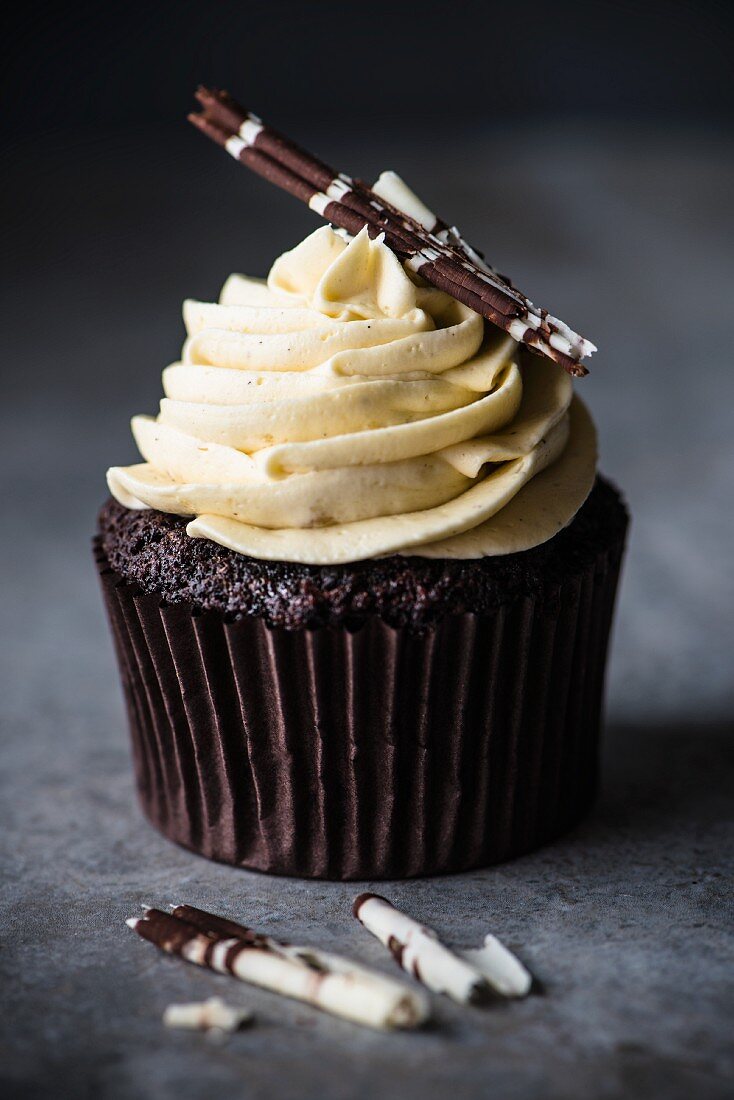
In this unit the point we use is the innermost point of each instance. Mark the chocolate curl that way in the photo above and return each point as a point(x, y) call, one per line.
point(466, 978)
point(329, 982)
point(442, 258)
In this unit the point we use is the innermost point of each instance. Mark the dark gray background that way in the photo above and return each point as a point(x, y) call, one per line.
point(362, 65)
point(585, 147)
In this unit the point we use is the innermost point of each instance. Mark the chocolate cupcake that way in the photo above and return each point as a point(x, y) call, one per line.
point(362, 585)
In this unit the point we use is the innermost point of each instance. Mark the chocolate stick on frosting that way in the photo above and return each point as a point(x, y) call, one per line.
point(465, 977)
point(437, 254)
point(351, 205)
point(329, 982)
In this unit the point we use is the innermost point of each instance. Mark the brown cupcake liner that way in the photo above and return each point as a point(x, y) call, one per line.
point(370, 753)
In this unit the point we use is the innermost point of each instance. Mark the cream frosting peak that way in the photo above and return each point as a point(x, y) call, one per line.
point(342, 411)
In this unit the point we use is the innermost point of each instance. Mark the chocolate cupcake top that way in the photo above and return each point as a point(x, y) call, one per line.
point(343, 411)
point(152, 550)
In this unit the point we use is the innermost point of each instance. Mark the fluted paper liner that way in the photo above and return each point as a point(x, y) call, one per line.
point(370, 753)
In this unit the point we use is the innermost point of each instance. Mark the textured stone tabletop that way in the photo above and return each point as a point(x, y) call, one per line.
point(627, 923)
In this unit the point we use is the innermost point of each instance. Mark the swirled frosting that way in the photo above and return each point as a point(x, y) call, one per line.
point(339, 412)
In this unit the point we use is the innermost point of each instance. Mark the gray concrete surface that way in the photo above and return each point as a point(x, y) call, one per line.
point(627, 923)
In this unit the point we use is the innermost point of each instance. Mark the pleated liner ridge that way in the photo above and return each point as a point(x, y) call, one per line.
point(375, 753)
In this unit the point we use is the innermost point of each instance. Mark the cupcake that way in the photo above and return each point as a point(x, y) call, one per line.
point(361, 585)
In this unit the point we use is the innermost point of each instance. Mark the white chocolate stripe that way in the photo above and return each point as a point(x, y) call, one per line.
point(518, 328)
point(318, 203)
point(337, 190)
point(234, 146)
point(250, 129)
point(245, 138)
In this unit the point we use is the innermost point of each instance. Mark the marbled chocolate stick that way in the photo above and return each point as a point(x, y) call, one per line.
point(418, 950)
point(329, 982)
point(440, 257)
point(345, 205)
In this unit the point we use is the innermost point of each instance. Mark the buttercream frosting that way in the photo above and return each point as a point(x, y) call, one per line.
point(340, 411)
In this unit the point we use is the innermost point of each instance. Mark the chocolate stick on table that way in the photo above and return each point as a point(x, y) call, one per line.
point(442, 258)
point(466, 977)
point(329, 982)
